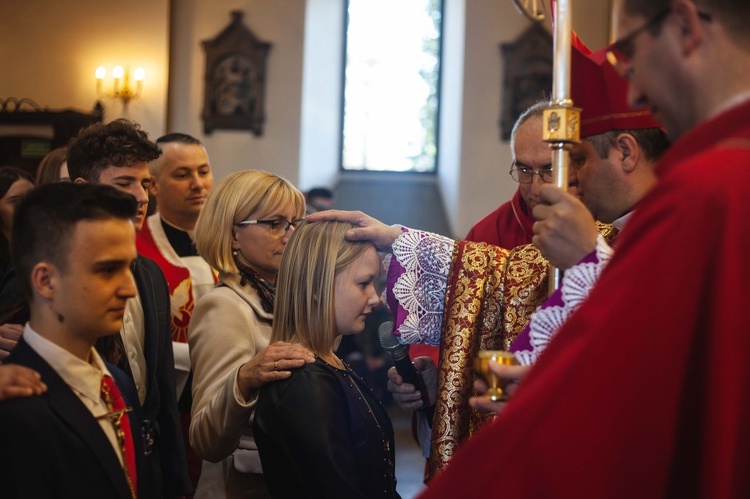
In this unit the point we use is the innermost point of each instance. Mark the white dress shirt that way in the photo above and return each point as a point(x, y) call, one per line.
point(133, 332)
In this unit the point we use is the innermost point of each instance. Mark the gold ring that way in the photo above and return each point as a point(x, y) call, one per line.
point(276, 366)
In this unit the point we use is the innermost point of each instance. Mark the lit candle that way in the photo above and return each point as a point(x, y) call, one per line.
point(100, 74)
point(117, 74)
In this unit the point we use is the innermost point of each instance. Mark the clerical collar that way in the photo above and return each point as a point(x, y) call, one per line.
point(735, 101)
point(179, 239)
point(619, 224)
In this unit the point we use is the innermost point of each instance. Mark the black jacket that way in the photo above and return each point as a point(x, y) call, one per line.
point(317, 437)
point(167, 462)
point(52, 447)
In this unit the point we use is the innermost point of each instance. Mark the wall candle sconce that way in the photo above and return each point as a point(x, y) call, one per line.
point(121, 88)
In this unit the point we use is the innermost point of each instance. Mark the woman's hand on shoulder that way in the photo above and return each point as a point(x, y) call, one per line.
point(271, 364)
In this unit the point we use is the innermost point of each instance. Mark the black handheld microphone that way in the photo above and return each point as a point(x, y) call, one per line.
point(400, 356)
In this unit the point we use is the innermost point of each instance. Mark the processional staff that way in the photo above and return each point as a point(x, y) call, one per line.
point(562, 123)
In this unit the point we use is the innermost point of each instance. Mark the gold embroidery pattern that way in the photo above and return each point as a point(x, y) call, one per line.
point(607, 231)
point(472, 320)
point(525, 289)
point(491, 295)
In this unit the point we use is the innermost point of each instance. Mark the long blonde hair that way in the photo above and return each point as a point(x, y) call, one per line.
point(231, 201)
point(304, 310)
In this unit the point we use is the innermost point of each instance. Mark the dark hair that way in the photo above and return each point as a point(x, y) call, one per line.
point(653, 142)
point(46, 217)
point(48, 170)
point(319, 192)
point(181, 138)
point(118, 143)
point(9, 175)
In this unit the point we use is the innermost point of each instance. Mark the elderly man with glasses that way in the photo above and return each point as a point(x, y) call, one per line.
point(511, 224)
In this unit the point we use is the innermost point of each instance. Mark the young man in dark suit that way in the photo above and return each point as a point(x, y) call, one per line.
point(117, 154)
point(73, 246)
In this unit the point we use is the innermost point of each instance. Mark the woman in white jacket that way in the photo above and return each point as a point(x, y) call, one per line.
point(241, 232)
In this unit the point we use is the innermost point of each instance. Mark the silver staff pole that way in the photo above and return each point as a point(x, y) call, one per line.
point(561, 120)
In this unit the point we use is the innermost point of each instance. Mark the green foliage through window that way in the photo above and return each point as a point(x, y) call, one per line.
point(392, 82)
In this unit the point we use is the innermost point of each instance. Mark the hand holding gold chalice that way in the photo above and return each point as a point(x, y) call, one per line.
point(495, 385)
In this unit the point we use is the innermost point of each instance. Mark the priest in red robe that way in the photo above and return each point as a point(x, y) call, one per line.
point(508, 226)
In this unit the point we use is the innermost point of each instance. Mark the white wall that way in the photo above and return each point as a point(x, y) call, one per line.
point(281, 23)
point(451, 106)
point(49, 52)
point(322, 85)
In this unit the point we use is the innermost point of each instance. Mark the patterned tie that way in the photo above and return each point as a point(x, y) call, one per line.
point(119, 419)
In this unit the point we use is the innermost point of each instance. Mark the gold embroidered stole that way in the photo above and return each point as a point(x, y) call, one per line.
point(491, 295)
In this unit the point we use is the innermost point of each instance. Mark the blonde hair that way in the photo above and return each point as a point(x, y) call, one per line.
point(304, 309)
point(48, 170)
point(234, 199)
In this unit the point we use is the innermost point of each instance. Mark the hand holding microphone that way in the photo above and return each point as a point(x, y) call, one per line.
point(412, 384)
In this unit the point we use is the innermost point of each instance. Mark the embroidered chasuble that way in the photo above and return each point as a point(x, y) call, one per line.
point(491, 295)
point(464, 297)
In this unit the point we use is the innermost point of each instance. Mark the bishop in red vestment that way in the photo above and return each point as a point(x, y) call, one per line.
point(510, 225)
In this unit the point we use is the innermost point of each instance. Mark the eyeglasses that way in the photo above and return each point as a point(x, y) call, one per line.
point(278, 227)
point(620, 53)
point(524, 175)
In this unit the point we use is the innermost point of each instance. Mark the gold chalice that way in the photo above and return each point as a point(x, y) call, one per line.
point(495, 385)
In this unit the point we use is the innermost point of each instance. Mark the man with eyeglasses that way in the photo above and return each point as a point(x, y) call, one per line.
point(511, 224)
point(181, 178)
point(644, 391)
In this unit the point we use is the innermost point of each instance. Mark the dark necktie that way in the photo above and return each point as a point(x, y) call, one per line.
point(119, 419)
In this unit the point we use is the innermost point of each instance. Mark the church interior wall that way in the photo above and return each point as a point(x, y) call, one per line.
point(50, 50)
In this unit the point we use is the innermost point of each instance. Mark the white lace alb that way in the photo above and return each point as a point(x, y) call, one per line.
point(576, 285)
point(420, 290)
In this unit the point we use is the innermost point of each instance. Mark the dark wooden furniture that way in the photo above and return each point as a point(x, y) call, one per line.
point(28, 131)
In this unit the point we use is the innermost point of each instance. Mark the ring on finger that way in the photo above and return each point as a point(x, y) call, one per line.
point(276, 366)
